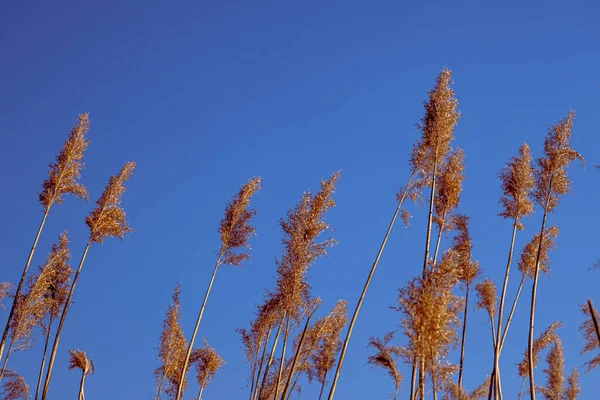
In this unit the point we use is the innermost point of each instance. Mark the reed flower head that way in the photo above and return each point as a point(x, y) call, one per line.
point(551, 179)
point(57, 264)
point(235, 228)
point(554, 372)
point(572, 390)
point(4, 291)
point(517, 183)
point(450, 185)
point(590, 338)
point(108, 218)
point(385, 357)
point(14, 386)
point(172, 348)
point(486, 296)
point(526, 263)
point(542, 342)
point(66, 170)
point(301, 228)
point(461, 247)
point(78, 359)
point(329, 343)
point(208, 363)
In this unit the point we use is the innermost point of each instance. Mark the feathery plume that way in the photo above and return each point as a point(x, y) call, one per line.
point(542, 342)
point(486, 297)
point(461, 245)
point(171, 350)
point(572, 389)
point(449, 189)
point(517, 182)
point(385, 357)
point(108, 218)
point(57, 263)
point(4, 291)
point(554, 372)
point(591, 342)
point(207, 364)
point(65, 172)
point(551, 179)
point(78, 359)
point(14, 387)
point(529, 254)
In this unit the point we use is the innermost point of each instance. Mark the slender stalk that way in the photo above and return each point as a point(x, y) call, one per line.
point(413, 378)
point(322, 386)
point(41, 375)
point(62, 321)
point(81, 395)
point(193, 338)
point(522, 387)
point(295, 360)
point(493, 379)
point(512, 311)
point(366, 287)
point(296, 382)
point(430, 216)
point(439, 239)
point(20, 285)
point(162, 381)
point(462, 343)
point(534, 295)
point(200, 393)
point(501, 306)
point(594, 319)
point(266, 373)
point(422, 380)
point(286, 334)
point(262, 360)
point(434, 386)
point(8, 353)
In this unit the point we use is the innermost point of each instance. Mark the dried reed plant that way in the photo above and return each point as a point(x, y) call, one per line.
point(428, 153)
point(78, 359)
point(105, 221)
point(572, 390)
point(555, 379)
point(479, 393)
point(4, 291)
point(63, 178)
point(551, 182)
point(486, 300)
point(301, 248)
point(14, 387)
point(542, 342)
point(171, 350)
point(517, 182)
point(235, 230)
point(591, 337)
point(385, 357)
point(207, 364)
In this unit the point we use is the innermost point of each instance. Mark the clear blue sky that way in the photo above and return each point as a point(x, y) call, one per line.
point(204, 95)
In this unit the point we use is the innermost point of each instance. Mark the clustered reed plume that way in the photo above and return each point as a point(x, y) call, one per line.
point(14, 387)
point(591, 336)
point(171, 350)
point(79, 360)
point(4, 291)
point(517, 182)
point(63, 178)
point(235, 230)
point(34, 303)
point(105, 221)
point(551, 182)
point(385, 357)
point(207, 364)
point(555, 388)
point(541, 343)
point(428, 155)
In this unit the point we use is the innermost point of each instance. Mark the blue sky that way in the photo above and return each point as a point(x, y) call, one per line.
point(204, 95)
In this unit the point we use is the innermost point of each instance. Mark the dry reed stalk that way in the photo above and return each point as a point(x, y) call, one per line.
point(551, 182)
point(78, 359)
point(385, 357)
point(62, 179)
point(172, 345)
point(591, 338)
point(207, 364)
point(105, 221)
point(235, 230)
point(517, 181)
point(14, 387)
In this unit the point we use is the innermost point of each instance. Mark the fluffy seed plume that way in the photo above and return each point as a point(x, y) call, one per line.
point(591, 342)
point(65, 171)
point(57, 263)
point(385, 357)
point(207, 364)
point(461, 246)
point(526, 263)
point(171, 350)
point(554, 373)
point(486, 296)
point(450, 185)
point(235, 228)
point(542, 342)
point(301, 228)
point(551, 181)
point(78, 359)
point(108, 218)
point(517, 182)
point(14, 387)
point(4, 291)
point(572, 390)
